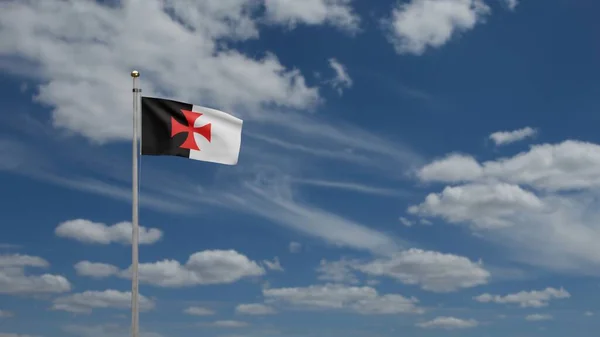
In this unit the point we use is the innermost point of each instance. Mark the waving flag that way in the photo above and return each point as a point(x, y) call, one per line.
point(174, 128)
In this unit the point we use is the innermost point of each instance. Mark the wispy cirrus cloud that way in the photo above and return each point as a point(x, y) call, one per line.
point(275, 201)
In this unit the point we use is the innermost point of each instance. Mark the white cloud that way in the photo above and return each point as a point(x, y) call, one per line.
point(95, 270)
point(295, 247)
point(570, 165)
point(104, 330)
point(20, 261)
point(274, 199)
point(512, 4)
point(254, 309)
point(449, 323)
point(588, 314)
point(86, 301)
point(527, 299)
point(452, 168)
point(484, 206)
point(337, 271)
point(94, 39)
point(98, 233)
point(199, 311)
point(507, 137)
point(430, 270)
point(337, 13)
point(6, 314)
point(201, 268)
point(566, 166)
point(363, 300)
point(273, 265)
point(406, 222)
point(342, 79)
point(229, 324)
point(14, 279)
point(541, 205)
point(420, 24)
point(538, 317)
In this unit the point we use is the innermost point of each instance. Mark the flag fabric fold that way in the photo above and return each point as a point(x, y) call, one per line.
point(172, 128)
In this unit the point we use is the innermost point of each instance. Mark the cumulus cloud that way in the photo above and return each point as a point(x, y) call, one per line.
point(453, 168)
point(342, 79)
point(567, 166)
point(254, 309)
point(201, 268)
point(507, 137)
point(417, 25)
point(199, 311)
point(449, 323)
point(433, 271)
point(540, 204)
point(95, 270)
point(337, 13)
point(97, 39)
point(484, 206)
point(362, 300)
point(86, 301)
point(14, 279)
point(538, 317)
point(87, 231)
point(532, 299)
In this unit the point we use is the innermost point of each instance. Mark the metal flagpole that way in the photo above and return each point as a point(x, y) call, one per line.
point(135, 207)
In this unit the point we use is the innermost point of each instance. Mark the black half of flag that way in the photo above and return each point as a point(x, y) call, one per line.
point(162, 123)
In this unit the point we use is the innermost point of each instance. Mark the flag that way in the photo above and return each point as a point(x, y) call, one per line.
point(172, 128)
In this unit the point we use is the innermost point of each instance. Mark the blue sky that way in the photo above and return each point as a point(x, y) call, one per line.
point(422, 167)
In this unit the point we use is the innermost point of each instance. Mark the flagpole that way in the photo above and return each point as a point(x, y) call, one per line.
point(135, 207)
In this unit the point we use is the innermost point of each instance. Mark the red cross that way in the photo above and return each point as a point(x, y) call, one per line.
point(190, 142)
